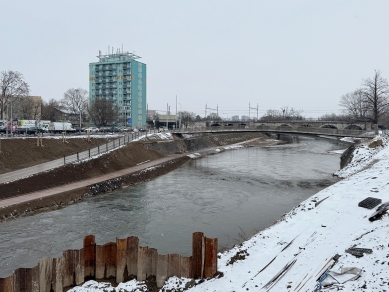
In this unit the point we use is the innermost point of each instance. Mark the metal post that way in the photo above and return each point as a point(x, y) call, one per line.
point(98, 149)
point(89, 152)
point(64, 160)
point(78, 158)
point(106, 147)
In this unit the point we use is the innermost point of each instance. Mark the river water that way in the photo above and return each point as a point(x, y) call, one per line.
point(230, 196)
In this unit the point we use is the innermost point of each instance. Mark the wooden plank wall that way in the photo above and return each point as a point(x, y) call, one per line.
point(120, 260)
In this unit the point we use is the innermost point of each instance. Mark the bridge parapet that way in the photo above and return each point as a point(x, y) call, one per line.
point(281, 129)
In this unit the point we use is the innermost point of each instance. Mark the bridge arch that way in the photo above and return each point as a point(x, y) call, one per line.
point(328, 126)
point(353, 127)
point(285, 125)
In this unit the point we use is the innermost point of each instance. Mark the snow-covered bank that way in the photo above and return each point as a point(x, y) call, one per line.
point(301, 245)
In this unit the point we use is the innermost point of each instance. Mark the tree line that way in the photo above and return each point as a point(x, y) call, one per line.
point(15, 101)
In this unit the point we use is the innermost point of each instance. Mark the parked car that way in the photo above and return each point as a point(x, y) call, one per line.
point(105, 129)
point(92, 129)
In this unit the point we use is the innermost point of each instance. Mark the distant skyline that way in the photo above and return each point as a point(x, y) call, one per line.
point(300, 54)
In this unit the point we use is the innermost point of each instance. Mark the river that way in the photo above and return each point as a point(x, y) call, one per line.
point(231, 196)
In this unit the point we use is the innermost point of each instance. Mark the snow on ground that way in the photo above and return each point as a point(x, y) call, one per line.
point(155, 136)
point(300, 246)
point(93, 286)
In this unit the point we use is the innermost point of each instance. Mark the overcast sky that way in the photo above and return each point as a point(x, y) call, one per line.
point(301, 54)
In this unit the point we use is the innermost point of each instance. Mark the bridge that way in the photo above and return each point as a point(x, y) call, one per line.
point(337, 129)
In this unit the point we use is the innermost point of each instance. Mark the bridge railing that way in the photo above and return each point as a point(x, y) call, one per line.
point(264, 128)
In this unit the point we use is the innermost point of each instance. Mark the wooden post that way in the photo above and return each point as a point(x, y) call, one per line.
point(110, 250)
point(121, 260)
point(153, 259)
point(100, 262)
point(59, 273)
point(73, 272)
point(142, 262)
point(162, 268)
point(198, 255)
point(174, 265)
point(46, 270)
point(7, 284)
point(210, 268)
point(106, 260)
point(89, 257)
point(186, 266)
point(132, 255)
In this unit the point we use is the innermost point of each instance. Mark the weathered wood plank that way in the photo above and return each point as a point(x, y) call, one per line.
point(89, 256)
point(198, 255)
point(121, 260)
point(185, 266)
point(35, 279)
point(210, 267)
point(7, 284)
point(142, 262)
point(59, 273)
point(162, 268)
point(132, 255)
point(174, 265)
point(100, 262)
point(46, 267)
point(80, 267)
point(110, 250)
point(153, 259)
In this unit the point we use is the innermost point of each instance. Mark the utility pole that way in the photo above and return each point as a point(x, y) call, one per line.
point(214, 109)
point(250, 108)
point(167, 112)
point(176, 111)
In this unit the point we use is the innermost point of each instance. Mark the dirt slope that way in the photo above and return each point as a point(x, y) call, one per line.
point(21, 153)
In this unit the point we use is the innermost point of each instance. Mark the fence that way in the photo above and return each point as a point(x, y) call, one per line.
point(120, 260)
point(78, 156)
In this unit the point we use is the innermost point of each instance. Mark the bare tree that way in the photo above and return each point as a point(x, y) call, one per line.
point(103, 113)
point(187, 118)
point(376, 93)
point(12, 87)
point(285, 113)
point(27, 108)
point(354, 105)
point(75, 101)
point(50, 110)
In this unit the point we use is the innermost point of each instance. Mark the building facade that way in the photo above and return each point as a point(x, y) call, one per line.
point(121, 79)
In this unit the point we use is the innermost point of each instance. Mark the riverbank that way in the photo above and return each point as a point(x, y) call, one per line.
point(304, 242)
point(30, 191)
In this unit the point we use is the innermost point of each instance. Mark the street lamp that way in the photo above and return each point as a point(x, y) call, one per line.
point(79, 107)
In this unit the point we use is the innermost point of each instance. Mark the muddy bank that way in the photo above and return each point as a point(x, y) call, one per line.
point(20, 153)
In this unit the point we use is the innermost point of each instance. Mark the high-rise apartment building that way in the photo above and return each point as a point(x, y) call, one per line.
point(121, 79)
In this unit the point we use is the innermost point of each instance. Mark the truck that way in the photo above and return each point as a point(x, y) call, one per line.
point(59, 127)
point(33, 126)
